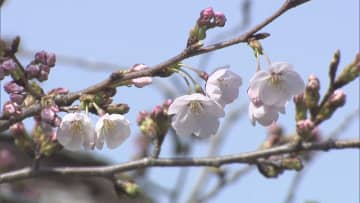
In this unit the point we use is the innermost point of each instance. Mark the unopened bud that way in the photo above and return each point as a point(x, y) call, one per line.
point(304, 128)
point(17, 128)
point(149, 127)
point(337, 98)
point(50, 59)
point(59, 90)
point(11, 108)
point(334, 65)
point(292, 163)
point(126, 187)
point(40, 57)
point(220, 19)
point(300, 107)
point(206, 17)
point(17, 98)
point(8, 65)
point(141, 81)
point(269, 171)
point(350, 72)
point(13, 87)
point(312, 94)
point(33, 70)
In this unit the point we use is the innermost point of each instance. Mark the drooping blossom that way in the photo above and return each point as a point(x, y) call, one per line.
point(278, 85)
point(223, 86)
point(270, 91)
point(112, 129)
point(195, 114)
point(76, 131)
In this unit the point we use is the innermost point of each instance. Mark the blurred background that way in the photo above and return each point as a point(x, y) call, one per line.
point(92, 39)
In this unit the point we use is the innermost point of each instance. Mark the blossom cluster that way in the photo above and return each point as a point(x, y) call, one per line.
point(199, 114)
point(76, 131)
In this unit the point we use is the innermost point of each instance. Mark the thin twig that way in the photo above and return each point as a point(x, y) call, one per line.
point(106, 171)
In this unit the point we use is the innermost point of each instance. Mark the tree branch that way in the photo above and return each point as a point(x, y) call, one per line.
point(108, 171)
point(186, 53)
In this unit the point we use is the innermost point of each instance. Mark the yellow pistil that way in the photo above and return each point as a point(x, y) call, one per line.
point(275, 78)
point(195, 107)
point(77, 126)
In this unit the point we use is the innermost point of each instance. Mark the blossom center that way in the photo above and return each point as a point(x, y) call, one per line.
point(195, 107)
point(77, 126)
point(276, 78)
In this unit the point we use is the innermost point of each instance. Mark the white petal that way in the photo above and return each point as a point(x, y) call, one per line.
point(184, 123)
point(114, 129)
point(294, 83)
point(178, 104)
point(74, 130)
point(264, 115)
point(213, 108)
point(207, 126)
point(223, 86)
point(258, 79)
point(271, 94)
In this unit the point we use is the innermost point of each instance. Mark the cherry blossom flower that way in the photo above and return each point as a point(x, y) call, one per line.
point(195, 114)
point(276, 87)
point(112, 129)
point(265, 115)
point(223, 86)
point(76, 131)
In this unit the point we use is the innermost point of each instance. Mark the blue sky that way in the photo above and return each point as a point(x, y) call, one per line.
point(152, 31)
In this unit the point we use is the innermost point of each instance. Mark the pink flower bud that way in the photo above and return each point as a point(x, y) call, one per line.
point(40, 57)
point(156, 111)
point(59, 90)
point(313, 83)
point(141, 116)
point(50, 59)
point(33, 70)
point(17, 128)
point(337, 98)
point(17, 98)
point(47, 114)
point(13, 87)
point(141, 81)
point(9, 108)
point(8, 65)
point(304, 127)
point(167, 103)
point(45, 68)
point(220, 19)
point(43, 76)
point(206, 16)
